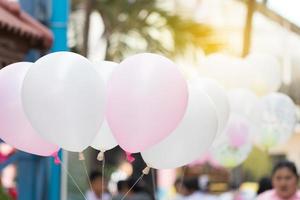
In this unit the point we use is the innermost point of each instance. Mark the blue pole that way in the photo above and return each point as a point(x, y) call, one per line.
point(58, 25)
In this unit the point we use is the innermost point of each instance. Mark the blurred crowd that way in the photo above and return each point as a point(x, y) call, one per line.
point(282, 185)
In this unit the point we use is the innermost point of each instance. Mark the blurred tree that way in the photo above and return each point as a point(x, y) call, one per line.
point(133, 26)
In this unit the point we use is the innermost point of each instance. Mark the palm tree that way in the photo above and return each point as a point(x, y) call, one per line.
point(133, 26)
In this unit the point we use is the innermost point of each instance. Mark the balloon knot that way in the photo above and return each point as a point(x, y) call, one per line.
point(146, 170)
point(57, 160)
point(100, 156)
point(129, 157)
point(81, 156)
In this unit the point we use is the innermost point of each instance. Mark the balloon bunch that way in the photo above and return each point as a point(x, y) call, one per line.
point(142, 104)
point(265, 122)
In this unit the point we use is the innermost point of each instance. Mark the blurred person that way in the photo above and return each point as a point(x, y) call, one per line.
point(178, 189)
point(123, 172)
point(264, 184)
point(284, 180)
point(204, 183)
point(232, 194)
point(98, 190)
point(138, 192)
point(123, 188)
point(248, 190)
point(191, 191)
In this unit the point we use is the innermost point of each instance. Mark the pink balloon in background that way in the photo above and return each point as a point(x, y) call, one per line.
point(147, 98)
point(15, 129)
point(238, 132)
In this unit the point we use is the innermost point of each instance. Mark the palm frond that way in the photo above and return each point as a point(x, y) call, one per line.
point(142, 21)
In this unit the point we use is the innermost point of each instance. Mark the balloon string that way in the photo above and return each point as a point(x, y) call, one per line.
point(103, 167)
point(125, 195)
point(182, 177)
point(87, 174)
point(73, 180)
point(129, 157)
point(153, 183)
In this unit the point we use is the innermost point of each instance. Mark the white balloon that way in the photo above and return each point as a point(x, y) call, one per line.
point(265, 73)
point(214, 65)
point(276, 119)
point(219, 97)
point(243, 102)
point(104, 139)
point(63, 97)
point(193, 136)
point(227, 70)
point(234, 145)
point(230, 157)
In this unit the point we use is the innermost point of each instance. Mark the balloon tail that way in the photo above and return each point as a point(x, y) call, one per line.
point(129, 157)
point(57, 160)
point(146, 170)
point(100, 156)
point(81, 156)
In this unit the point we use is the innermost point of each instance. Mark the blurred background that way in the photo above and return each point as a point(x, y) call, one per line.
point(190, 32)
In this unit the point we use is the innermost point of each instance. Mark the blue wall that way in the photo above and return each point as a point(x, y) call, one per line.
point(38, 177)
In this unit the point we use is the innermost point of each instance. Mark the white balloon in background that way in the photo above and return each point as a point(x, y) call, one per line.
point(265, 73)
point(234, 145)
point(242, 103)
point(230, 157)
point(193, 136)
point(104, 139)
point(63, 97)
point(275, 117)
point(219, 97)
point(227, 70)
point(214, 65)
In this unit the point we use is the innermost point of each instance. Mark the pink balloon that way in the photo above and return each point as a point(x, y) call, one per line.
point(238, 131)
point(147, 98)
point(15, 129)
